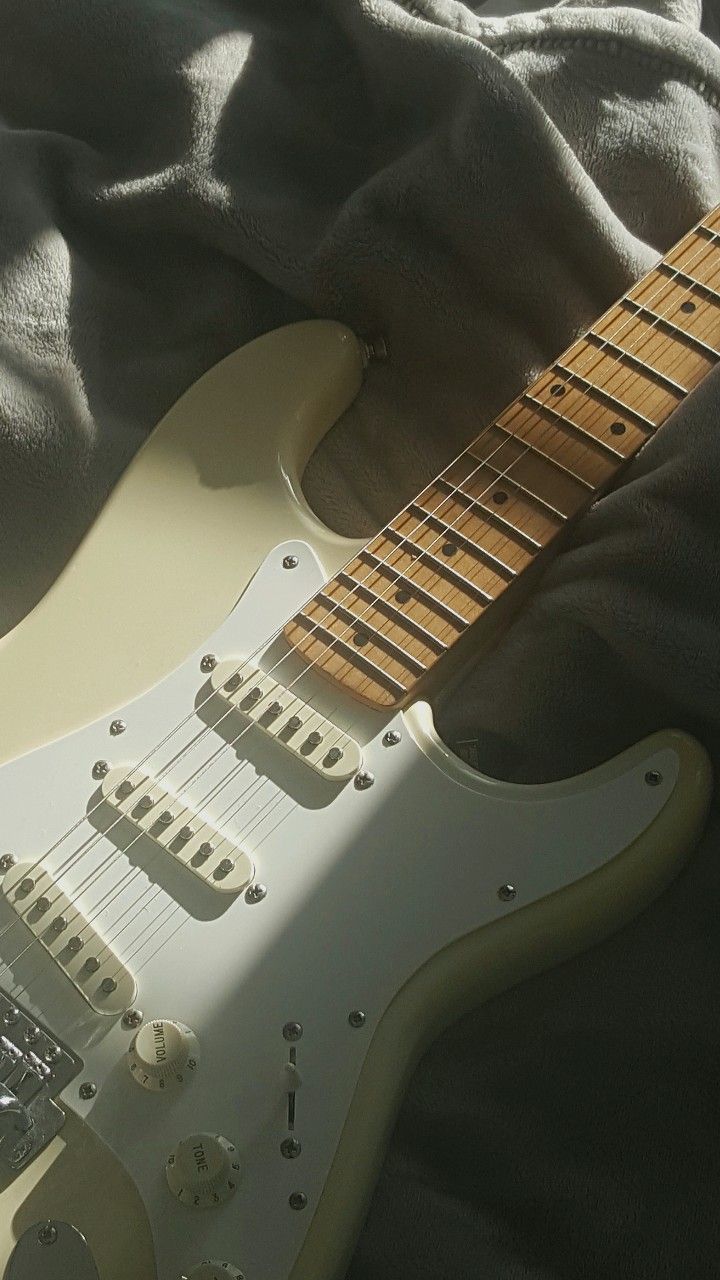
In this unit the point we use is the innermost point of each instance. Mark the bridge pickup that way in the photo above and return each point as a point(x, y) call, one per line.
point(180, 830)
point(287, 719)
point(71, 939)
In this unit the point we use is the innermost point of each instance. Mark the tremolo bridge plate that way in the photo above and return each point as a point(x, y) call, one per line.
point(34, 1069)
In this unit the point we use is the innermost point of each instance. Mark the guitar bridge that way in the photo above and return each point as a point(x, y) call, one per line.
point(34, 1069)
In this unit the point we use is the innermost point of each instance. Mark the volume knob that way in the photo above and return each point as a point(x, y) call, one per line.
point(163, 1054)
point(203, 1170)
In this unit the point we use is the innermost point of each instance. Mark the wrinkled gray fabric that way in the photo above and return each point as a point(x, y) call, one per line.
point(178, 176)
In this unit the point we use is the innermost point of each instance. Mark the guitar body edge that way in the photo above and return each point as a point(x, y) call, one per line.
point(488, 961)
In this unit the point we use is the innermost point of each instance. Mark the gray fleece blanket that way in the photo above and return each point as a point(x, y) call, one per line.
point(177, 177)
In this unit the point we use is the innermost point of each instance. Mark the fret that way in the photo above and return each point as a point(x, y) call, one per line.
point(517, 538)
point(669, 356)
point(699, 260)
point(368, 625)
point(499, 497)
point(504, 554)
point(401, 615)
point(583, 433)
point(631, 359)
point(444, 591)
point(556, 446)
point(454, 536)
point(387, 576)
point(373, 678)
point(690, 282)
point(593, 388)
point(418, 541)
point(526, 472)
point(388, 616)
point(673, 329)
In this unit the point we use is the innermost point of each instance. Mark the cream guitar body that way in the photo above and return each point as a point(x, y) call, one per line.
point(283, 952)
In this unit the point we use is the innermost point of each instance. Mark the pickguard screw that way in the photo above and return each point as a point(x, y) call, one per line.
point(87, 1090)
point(131, 1018)
point(290, 562)
point(52, 1054)
point(6, 862)
point(32, 1034)
point(117, 727)
point(47, 1234)
point(653, 778)
point(100, 768)
point(356, 1018)
point(208, 663)
point(363, 780)
point(297, 1200)
point(11, 1016)
point(290, 1148)
point(255, 893)
point(391, 738)
point(507, 892)
point(293, 1031)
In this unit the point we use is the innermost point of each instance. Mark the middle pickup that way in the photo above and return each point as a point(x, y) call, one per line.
point(178, 828)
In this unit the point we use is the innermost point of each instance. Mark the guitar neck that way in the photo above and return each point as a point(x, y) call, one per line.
point(382, 623)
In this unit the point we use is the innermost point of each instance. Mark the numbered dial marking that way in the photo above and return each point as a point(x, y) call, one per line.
point(203, 1170)
point(163, 1055)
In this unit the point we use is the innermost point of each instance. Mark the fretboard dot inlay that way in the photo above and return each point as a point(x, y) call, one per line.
point(687, 307)
point(360, 638)
point(499, 496)
point(402, 597)
point(557, 389)
point(617, 428)
point(449, 549)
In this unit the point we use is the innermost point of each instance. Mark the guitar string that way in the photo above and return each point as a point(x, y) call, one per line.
point(615, 333)
point(463, 515)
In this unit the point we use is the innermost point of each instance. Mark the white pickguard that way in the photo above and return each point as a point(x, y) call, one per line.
point(364, 886)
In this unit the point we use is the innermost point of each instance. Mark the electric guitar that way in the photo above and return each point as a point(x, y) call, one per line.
point(243, 883)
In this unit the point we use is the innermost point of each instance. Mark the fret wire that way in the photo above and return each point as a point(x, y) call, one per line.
point(683, 334)
point(690, 281)
point(406, 621)
point(586, 437)
point(378, 638)
point(515, 483)
point(546, 457)
point(337, 645)
point(676, 353)
point(573, 376)
point(442, 570)
point(451, 615)
point(493, 517)
point(454, 533)
point(618, 353)
point(514, 553)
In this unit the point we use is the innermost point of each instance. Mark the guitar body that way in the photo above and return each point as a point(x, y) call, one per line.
point(394, 900)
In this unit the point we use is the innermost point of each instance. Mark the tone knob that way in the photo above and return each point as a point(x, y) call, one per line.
point(203, 1170)
point(214, 1271)
point(163, 1054)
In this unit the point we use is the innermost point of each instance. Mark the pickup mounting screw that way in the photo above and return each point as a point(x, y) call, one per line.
point(292, 1031)
point(356, 1018)
point(255, 893)
point(100, 768)
point(290, 562)
point(653, 778)
point(6, 862)
point(32, 1034)
point(131, 1019)
point(297, 1200)
point(290, 1148)
point(363, 780)
point(117, 727)
point(507, 892)
point(53, 1053)
point(87, 1090)
point(391, 738)
point(208, 663)
point(11, 1016)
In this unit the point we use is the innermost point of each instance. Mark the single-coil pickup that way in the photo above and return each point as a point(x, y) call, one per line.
point(180, 830)
point(287, 719)
point(71, 939)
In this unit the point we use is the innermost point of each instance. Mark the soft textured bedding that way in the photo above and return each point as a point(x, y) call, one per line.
point(178, 176)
